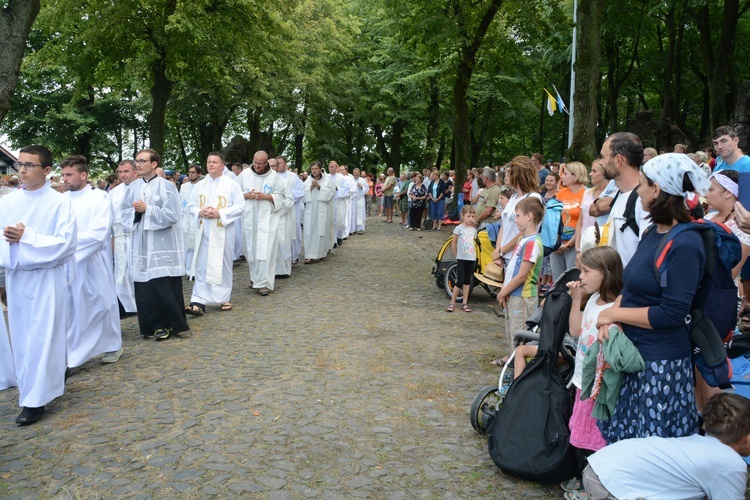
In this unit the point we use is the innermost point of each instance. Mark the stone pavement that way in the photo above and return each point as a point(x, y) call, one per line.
point(348, 381)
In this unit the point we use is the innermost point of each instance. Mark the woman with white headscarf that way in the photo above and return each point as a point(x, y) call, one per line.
point(660, 400)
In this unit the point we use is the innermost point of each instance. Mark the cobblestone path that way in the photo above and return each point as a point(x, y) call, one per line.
point(349, 381)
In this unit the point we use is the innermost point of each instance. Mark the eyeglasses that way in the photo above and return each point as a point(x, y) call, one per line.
point(142, 161)
point(27, 166)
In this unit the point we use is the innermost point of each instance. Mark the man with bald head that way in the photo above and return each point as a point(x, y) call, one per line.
point(263, 191)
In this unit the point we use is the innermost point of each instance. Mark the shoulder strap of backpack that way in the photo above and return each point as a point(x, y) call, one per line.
point(629, 213)
point(660, 258)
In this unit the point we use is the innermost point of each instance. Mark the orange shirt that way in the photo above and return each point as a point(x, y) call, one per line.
point(372, 186)
point(571, 205)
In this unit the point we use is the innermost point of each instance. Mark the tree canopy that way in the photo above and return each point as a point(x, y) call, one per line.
point(373, 83)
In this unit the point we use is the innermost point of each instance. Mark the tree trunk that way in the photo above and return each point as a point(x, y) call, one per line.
point(433, 124)
point(160, 92)
point(587, 67)
point(16, 20)
point(467, 54)
point(665, 130)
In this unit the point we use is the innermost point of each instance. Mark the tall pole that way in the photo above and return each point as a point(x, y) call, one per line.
point(571, 119)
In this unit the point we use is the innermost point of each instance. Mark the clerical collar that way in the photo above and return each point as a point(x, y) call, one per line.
point(149, 180)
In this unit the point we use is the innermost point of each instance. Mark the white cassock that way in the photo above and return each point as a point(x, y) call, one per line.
point(214, 245)
point(123, 243)
point(349, 204)
point(318, 217)
point(237, 227)
point(359, 214)
point(286, 231)
point(339, 205)
point(298, 193)
point(39, 299)
point(95, 323)
point(7, 366)
point(189, 225)
point(260, 223)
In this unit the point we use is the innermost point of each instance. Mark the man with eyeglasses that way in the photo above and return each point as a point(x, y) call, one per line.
point(264, 196)
point(189, 224)
point(123, 241)
point(95, 322)
point(38, 245)
point(152, 212)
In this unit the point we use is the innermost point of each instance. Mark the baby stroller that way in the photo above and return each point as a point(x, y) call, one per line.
point(490, 398)
point(445, 269)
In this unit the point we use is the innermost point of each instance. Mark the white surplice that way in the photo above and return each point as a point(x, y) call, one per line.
point(39, 300)
point(189, 225)
point(123, 244)
point(352, 185)
point(260, 222)
point(158, 248)
point(214, 245)
point(95, 323)
point(298, 193)
point(319, 217)
point(7, 365)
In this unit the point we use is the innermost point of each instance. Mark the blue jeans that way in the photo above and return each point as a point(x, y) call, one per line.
point(437, 210)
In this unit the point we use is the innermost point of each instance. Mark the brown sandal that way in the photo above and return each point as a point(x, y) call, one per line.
point(227, 306)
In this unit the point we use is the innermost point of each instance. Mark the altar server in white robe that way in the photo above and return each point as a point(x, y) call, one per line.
point(236, 171)
point(123, 241)
point(153, 208)
point(286, 226)
point(344, 170)
point(37, 248)
point(298, 193)
point(263, 191)
point(189, 224)
point(359, 215)
point(216, 203)
point(319, 193)
point(339, 202)
point(7, 365)
point(95, 322)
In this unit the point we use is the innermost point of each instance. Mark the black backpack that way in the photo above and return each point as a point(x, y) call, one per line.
point(529, 437)
point(629, 212)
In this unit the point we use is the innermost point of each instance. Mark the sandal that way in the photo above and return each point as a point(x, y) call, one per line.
point(227, 306)
point(194, 309)
point(450, 308)
point(499, 361)
point(308, 261)
point(573, 484)
point(466, 308)
point(576, 495)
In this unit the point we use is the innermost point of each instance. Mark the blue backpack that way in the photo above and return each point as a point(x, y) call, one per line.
point(714, 310)
point(552, 226)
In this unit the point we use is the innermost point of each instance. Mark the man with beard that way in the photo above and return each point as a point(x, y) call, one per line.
point(94, 327)
point(264, 196)
point(319, 193)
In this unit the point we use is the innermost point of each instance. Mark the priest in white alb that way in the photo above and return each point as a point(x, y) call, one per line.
point(319, 193)
point(153, 210)
point(216, 204)
point(263, 191)
point(339, 203)
point(94, 327)
point(286, 226)
point(7, 365)
point(37, 248)
point(298, 192)
point(123, 242)
point(359, 214)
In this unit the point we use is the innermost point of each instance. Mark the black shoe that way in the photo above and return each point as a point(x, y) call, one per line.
point(282, 276)
point(68, 373)
point(335, 245)
point(162, 333)
point(339, 241)
point(29, 415)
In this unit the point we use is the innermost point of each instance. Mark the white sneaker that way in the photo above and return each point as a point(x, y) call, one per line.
point(112, 357)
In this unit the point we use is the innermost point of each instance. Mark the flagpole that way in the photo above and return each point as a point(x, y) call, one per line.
point(571, 119)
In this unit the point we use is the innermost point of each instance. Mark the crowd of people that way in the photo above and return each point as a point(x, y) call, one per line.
point(91, 256)
point(612, 230)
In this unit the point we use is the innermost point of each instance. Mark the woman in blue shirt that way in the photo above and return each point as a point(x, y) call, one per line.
point(660, 400)
point(436, 192)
